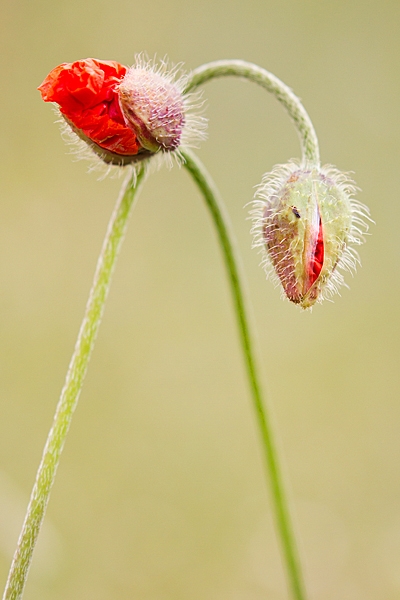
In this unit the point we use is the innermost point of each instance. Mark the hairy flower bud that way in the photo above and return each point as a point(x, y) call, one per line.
point(125, 114)
point(305, 222)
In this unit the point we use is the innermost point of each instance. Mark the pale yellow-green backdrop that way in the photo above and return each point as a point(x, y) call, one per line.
point(161, 493)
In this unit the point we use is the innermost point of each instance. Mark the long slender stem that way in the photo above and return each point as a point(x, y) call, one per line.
point(72, 387)
point(297, 112)
point(228, 246)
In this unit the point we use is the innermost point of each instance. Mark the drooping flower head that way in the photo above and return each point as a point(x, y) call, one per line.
point(125, 114)
point(306, 222)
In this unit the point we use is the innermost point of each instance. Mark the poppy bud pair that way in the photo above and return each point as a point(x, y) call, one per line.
point(306, 221)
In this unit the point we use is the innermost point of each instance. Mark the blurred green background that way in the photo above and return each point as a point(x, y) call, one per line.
point(161, 493)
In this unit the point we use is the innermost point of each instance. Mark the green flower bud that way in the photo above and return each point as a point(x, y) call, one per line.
point(306, 224)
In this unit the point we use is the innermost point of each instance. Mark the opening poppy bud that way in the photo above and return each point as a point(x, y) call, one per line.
point(124, 114)
point(306, 222)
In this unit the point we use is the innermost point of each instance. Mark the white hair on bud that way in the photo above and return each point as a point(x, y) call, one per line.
point(195, 126)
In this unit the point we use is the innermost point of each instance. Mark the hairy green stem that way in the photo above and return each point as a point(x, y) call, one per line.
point(72, 387)
point(297, 112)
point(236, 279)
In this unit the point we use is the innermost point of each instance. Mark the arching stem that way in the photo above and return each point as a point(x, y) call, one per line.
point(297, 112)
point(236, 280)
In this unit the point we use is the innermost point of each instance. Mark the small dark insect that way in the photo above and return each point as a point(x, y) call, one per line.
point(295, 212)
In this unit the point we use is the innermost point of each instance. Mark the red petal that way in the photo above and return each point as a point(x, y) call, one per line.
point(85, 93)
point(317, 259)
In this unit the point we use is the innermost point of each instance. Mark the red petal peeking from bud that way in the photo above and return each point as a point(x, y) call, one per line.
point(305, 222)
point(317, 256)
point(86, 93)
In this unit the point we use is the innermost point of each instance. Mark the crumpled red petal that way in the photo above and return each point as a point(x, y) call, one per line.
point(86, 94)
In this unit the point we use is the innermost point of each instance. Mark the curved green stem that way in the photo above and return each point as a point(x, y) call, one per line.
point(72, 387)
point(228, 246)
point(297, 112)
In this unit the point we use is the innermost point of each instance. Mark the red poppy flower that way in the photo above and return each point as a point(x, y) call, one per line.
point(124, 114)
point(85, 91)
